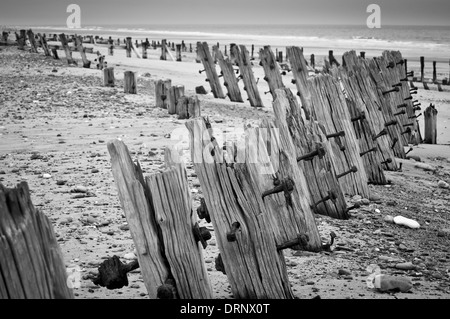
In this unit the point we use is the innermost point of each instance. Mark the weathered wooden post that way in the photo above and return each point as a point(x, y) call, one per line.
point(232, 56)
point(31, 262)
point(162, 88)
point(111, 46)
point(252, 57)
point(188, 107)
point(32, 41)
point(299, 71)
point(163, 50)
point(254, 266)
point(434, 72)
point(108, 77)
point(130, 83)
point(230, 81)
point(210, 68)
point(173, 46)
point(430, 115)
point(175, 93)
point(55, 53)
point(5, 35)
point(280, 56)
point(190, 47)
point(44, 45)
point(21, 39)
point(422, 66)
point(332, 59)
point(362, 54)
point(128, 47)
point(246, 73)
point(144, 49)
point(62, 38)
point(313, 61)
point(86, 62)
point(178, 52)
point(271, 70)
point(166, 234)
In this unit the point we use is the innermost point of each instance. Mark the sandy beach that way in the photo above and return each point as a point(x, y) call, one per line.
point(66, 115)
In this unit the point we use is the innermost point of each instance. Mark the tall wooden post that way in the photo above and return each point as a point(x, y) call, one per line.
point(175, 93)
point(271, 70)
point(79, 45)
point(31, 262)
point(44, 45)
point(190, 47)
point(128, 47)
point(32, 41)
point(246, 72)
point(108, 77)
point(130, 83)
point(422, 66)
point(163, 49)
point(178, 52)
point(434, 72)
point(430, 115)
point(252, 57)
point(21, 39)
point(362, 54)
point(280, 56)
point(62, 38)
point(210, 69)
point(313, 61)
point(230, 81)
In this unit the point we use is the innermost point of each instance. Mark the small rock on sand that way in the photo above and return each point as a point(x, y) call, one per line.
point(425, 167)
point(405, 266)
point(443, 184)
point(389, 219)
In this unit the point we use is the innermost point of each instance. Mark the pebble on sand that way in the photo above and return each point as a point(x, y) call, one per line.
point(400, 220)
point(443, 184)
point(405, 266)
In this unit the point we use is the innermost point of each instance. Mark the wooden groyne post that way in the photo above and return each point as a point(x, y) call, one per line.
point(79, 44)
point(210, 68)
point(430, 115)
point(130, 82)
point(422, 66)
point(44, 45)
point(31, 262)
point(230, 81)
point(62, 38)
point(178, 52)
point(128, 47)
point(111, 46)
point(163, 50)
point(175, 93)
point(166, 234)
point(32, 41)
point(162, 88)
point(108, 77)
point(271, 70)
point(188, 107)
point(246, 73)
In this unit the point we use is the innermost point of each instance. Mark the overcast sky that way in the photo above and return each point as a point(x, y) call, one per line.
point(101, 12)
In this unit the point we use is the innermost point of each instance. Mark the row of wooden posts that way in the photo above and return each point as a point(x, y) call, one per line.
point(261, 192)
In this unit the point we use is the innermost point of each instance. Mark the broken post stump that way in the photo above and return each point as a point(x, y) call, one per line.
point(21, 39)
point(111, 46)
point(229, 78)
point(158, 209)
point(130, 83)
point(43, 42)
point(163, 50)
point(246, 73)
point(430, 115)
point(108, 77)
point(188, 107)
point(210, 68)
point(128, 46)
point(178, 52)
point(162, 88)
point(31, 262)
point(175, 92)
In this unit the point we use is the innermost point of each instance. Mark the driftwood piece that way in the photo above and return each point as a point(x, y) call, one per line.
point(230, 81)
point(31, 263)
point(246, 73)
point(159, 212)
point(108, 77)
point(210, 68)
point(162, 88)
point(254, 266)
point(271, 70)
point(130, 82)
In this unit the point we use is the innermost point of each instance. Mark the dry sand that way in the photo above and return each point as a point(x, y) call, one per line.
point(65, 115)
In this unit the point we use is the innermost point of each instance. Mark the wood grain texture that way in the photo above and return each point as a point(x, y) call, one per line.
point(210, 68)
point(230, 81)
